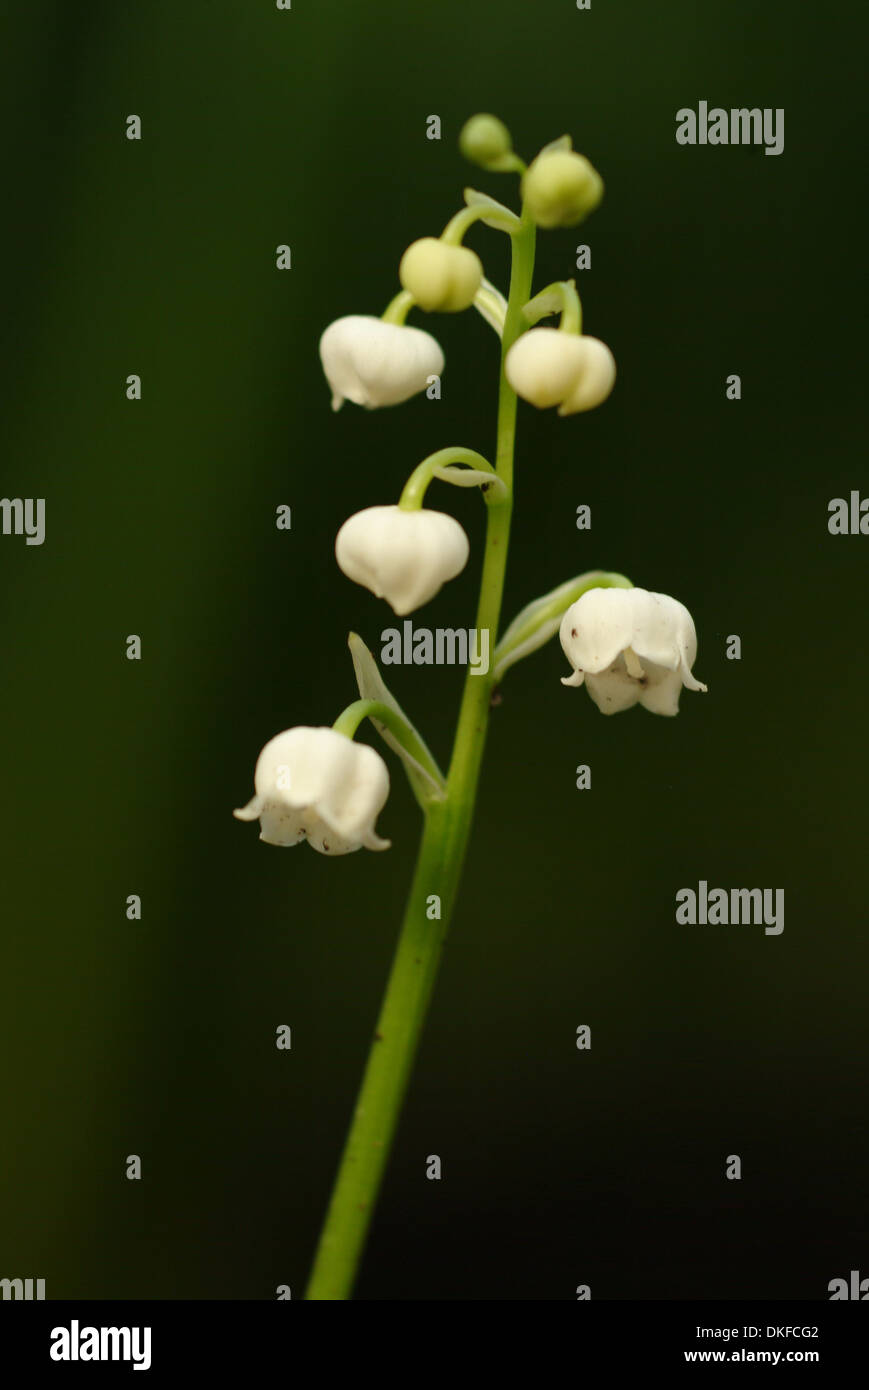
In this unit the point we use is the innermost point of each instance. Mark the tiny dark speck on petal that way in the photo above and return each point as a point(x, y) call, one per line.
point(573, 632)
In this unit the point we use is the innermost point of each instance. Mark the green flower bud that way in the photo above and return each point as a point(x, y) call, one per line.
point(485, 140)
point(561, 188)
point(440, 276)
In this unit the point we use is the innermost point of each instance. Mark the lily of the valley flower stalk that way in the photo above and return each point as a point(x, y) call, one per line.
point(627, 646)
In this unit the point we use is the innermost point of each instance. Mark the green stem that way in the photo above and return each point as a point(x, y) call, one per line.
point(398, 308)
point(414, 490)
point(455, 229)
point(435, 882)
point(349, 719)
point(487, 210)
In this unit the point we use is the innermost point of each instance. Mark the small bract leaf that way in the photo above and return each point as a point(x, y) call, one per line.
point(471, 477)
point(427, 785)
point(502, 218)
point(548, 301)
point(492, 306)
point(563, 142)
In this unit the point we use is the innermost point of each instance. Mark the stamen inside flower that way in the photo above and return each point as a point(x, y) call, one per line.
point(632, 662)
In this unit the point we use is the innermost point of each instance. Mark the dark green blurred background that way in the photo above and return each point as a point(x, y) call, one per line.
point(308, 127)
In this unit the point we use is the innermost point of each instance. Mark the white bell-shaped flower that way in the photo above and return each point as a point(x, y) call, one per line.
point(628, 647)
point(316, 784)
point(402, 556)
point(373, 363)
point(547, 367)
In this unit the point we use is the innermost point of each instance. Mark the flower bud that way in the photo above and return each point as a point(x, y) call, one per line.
point(373, 363)
point(402, 556)
point(440, 276)
point(485, 140)
point(628, 647)
point(547, 367)
point(560, 188)
point(320, 786)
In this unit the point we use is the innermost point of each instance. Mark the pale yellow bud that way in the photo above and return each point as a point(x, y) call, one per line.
point(485, 140)
point(561, 188)
point(439, 276)
point(548, 367)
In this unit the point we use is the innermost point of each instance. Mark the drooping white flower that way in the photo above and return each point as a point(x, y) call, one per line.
point(402, 556)
point(630, 646)
point(547, 367)
point(316, 784)
point(373, 363)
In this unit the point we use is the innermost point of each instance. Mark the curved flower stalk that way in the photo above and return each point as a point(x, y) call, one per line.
point(626, 645)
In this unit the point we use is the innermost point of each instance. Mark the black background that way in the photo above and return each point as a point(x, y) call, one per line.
point(156, 257)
